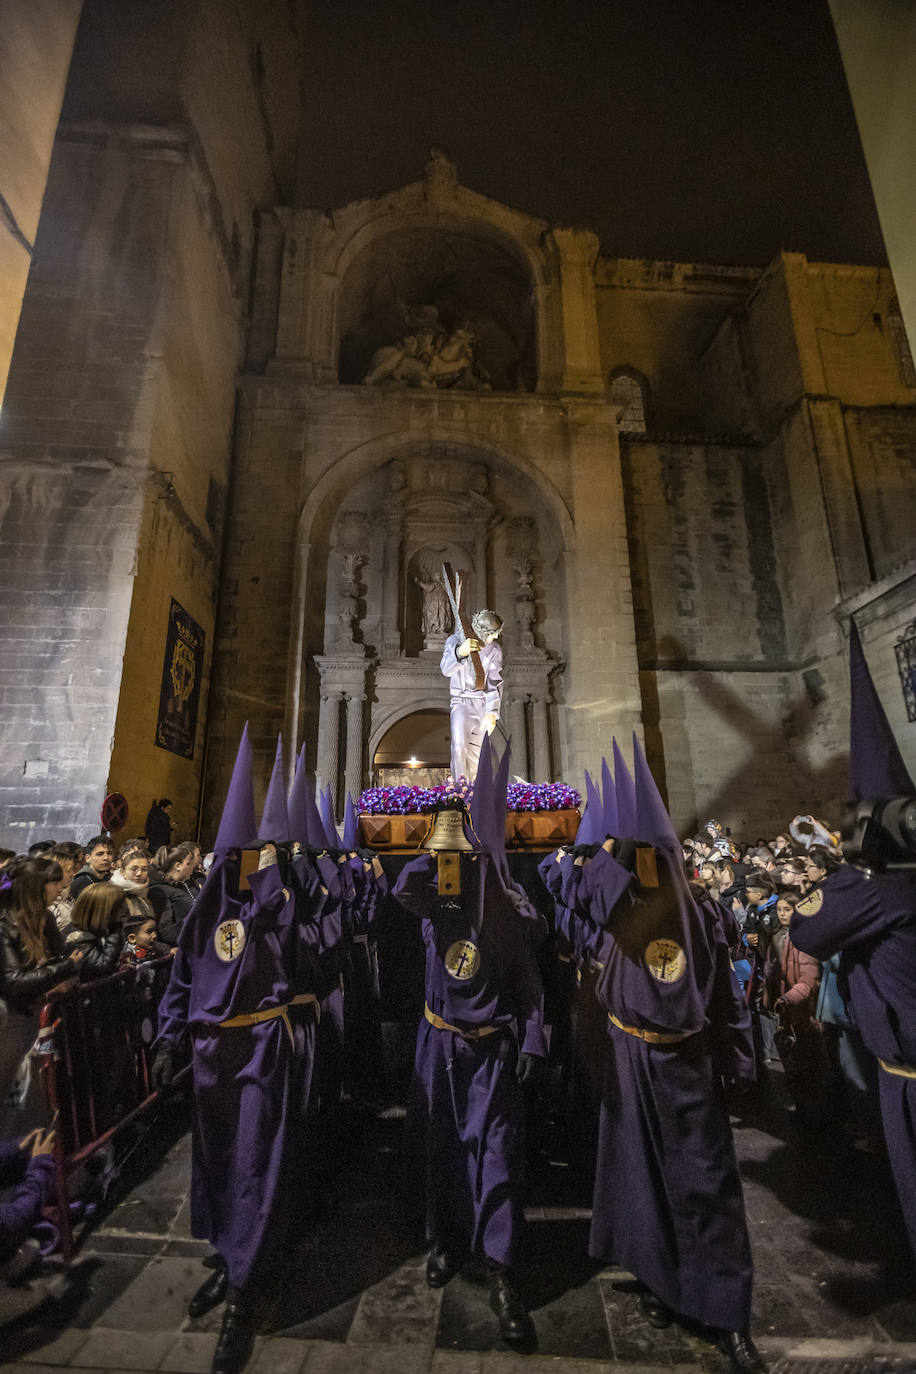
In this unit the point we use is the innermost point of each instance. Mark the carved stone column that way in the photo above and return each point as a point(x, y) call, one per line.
point(328, 763)
point(353, 776)
point(515, 727)
point(540, 740)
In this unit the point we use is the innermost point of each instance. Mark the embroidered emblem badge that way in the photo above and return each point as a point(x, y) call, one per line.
point(462, 960)
point(811, 905)
point(229, 940)
point(666, 961)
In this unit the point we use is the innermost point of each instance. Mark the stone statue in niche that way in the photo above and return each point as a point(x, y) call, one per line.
point(428, 357)
point(437, 614)
point(348, 604)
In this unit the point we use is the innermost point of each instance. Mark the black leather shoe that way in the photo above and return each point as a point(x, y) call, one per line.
point(743, 1355)
point(515, 1325)
point(654, 1310)
point(440, 1267)
point(210, 1293)
point(236, 1341)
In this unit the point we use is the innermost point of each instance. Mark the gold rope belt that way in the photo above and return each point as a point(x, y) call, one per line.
point(898, 1070)
point(254, 1018)
point(474, 1034)
point(651, 1037)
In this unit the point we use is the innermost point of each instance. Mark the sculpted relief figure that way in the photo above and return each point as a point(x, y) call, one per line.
point(428, 357)
point(437, 614)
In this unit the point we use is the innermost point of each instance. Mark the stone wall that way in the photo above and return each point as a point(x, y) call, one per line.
point(122, 392)
point(38, 38)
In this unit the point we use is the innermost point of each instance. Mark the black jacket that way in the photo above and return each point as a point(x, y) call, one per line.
point(84, 878)
point(100, 952)
point(172, 902)
point(23, 983)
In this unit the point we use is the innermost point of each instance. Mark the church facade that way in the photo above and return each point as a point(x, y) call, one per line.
point(240, 443)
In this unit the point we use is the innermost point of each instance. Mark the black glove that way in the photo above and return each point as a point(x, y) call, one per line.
point(161, 1069)
point(624, 851)
point(528, 1069)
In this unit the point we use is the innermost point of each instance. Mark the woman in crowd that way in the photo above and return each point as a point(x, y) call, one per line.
point(791, 983)
point(819, 862)
point(71, 858)
point(34, 962)
point(95, 928)
point(131, 877)
point(174, 891)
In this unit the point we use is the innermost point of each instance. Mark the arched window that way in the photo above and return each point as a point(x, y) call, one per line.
point(629, 397)
point(900, 344)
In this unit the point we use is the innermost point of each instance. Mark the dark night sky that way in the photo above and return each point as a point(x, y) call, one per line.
point(709, 130)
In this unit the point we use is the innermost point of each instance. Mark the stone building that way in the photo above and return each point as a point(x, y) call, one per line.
point(240, 438)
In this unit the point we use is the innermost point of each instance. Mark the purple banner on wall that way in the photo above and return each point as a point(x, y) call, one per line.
point(182, 670)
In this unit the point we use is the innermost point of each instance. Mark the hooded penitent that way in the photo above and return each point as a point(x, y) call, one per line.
point(238, 827)
point(626, 796)
point(351, 826)
point(875, 762)
point(328, 819)
point(609, 801)
point(275, 823)
point(589, 831)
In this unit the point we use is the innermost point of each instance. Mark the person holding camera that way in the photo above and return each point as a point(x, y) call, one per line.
point(760, 925)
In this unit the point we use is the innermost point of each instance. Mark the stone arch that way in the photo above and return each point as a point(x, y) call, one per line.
point(465, 275)
point(383, 721)
point(465, 214)
point(371, 455)
point(316, 520)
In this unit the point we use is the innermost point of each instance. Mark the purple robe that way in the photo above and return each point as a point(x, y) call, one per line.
point(235, 958)
point(668, 1203)
point(34, 1185)
point(871, 922)
point(468, 706)
point(466, 1105)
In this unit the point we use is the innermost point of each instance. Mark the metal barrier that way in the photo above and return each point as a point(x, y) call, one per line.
point(94, 1050)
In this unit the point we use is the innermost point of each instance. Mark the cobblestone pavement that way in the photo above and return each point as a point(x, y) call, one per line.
point(834, 1280)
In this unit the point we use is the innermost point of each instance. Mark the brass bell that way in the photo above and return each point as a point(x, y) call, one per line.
point(447, 831)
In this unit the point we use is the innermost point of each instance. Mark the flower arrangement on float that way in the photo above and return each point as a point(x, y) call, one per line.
point(522, 796)
point(537, 813)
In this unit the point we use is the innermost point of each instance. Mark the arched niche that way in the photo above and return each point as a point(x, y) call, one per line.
point(498, 518)
point(414, 749)
point(458, 278)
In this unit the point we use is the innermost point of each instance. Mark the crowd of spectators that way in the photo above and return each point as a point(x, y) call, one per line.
point(69, 914)
point(802, 1024)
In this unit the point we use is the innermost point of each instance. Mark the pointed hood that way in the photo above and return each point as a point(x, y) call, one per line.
point(315, 834)
point(298, 815)
point(500, 802)
point(328, 819)
point(609, 800)
point(350, 826)
point(238, 826)
point(876, 766)
point(625, 790)
point(481, 807)
point(593, 816)
point(275, 818)
point(653, 824)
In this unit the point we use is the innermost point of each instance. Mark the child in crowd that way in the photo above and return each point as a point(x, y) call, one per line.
point(141, 942)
